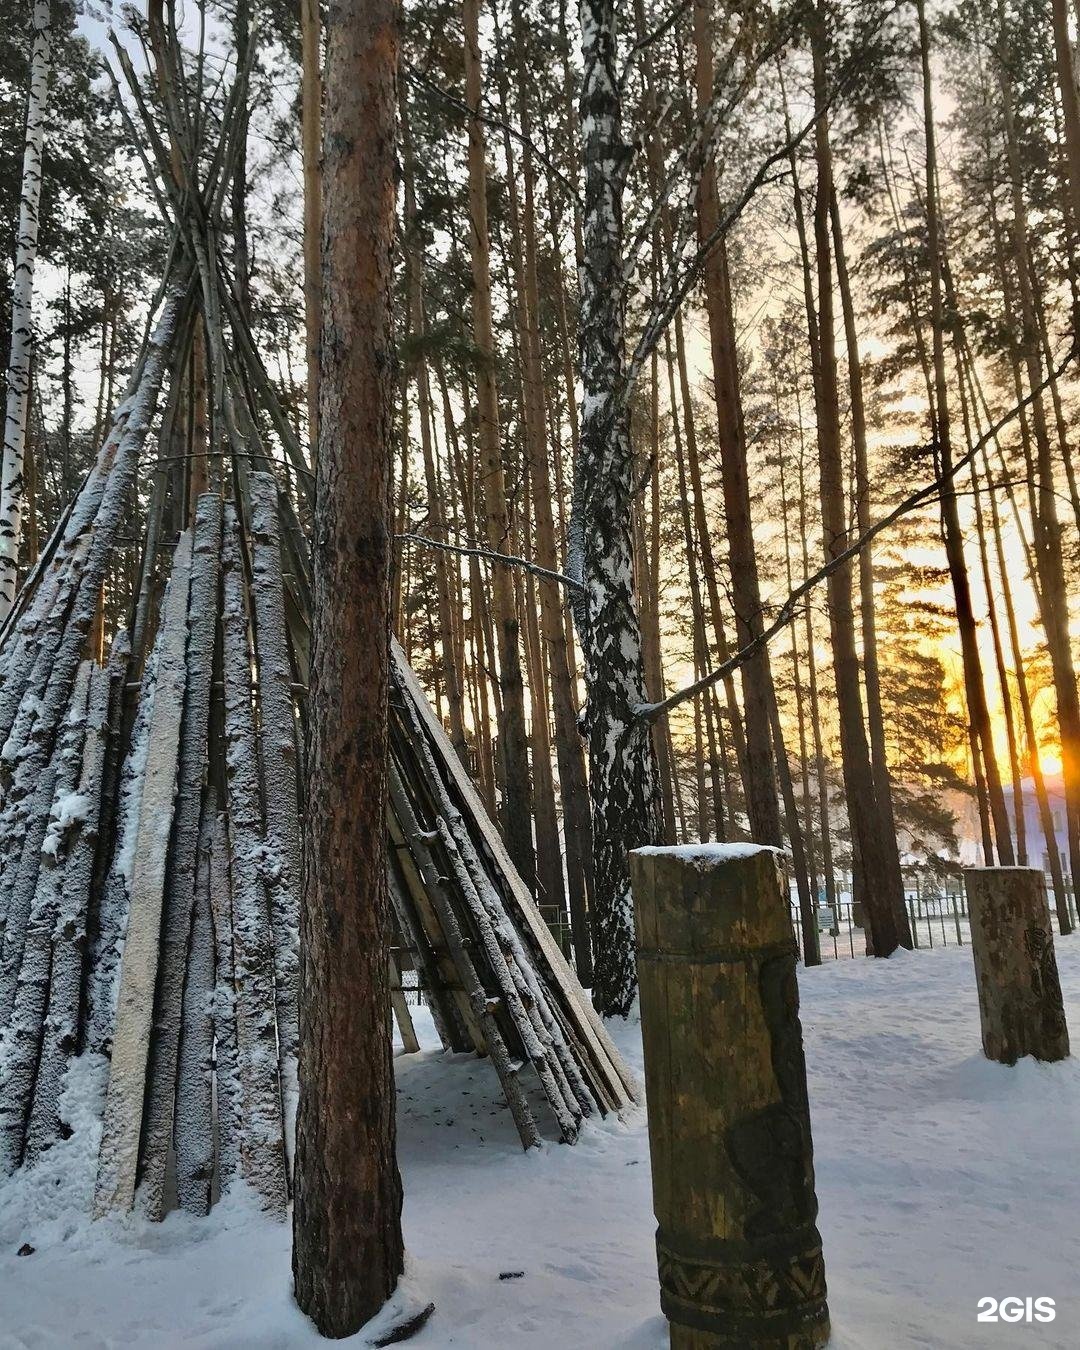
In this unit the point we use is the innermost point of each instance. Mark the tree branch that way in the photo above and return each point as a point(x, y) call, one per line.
point(472, 551)
point(415, 77)
point(789, 609)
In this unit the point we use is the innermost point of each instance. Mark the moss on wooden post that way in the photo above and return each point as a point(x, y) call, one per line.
point(738, 1248)
point(1020, 1004)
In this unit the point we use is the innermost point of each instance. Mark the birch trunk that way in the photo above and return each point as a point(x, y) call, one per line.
point(12, 486)
point(622, 774)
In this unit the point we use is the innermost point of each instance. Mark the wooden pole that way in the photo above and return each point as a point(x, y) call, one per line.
point(1020, 1004)
point(738, 1248)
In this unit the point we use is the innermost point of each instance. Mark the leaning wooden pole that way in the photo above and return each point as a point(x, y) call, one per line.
point(729, 1123)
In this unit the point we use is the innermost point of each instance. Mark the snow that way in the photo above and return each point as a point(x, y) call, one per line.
point(942, 1179)
point(71, 809)
point(703, 856)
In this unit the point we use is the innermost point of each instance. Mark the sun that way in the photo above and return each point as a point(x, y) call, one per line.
point(1050, 765)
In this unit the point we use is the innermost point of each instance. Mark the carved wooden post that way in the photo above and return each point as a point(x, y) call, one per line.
point(729, 1126)
point(1020, 1005)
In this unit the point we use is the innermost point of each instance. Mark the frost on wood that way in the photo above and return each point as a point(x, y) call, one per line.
point(194, 1127)
point(277, 749)
point(139, 964)
point(60, 1034)
point(110, 918)
point(262, 1149)
point(227, 1076)
point(180, 883)
point(21, 1041)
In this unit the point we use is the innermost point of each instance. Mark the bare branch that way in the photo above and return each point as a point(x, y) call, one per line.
point(789, 609)
point(657, 33)
point(416, 77)
point(472, 551)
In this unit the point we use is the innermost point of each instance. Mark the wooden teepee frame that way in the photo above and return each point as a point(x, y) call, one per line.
point(150, 802)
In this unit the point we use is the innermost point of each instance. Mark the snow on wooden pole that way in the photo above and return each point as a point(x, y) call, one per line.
point(729, 1125)
point(194, 1124)
point(119, 1155)
point(61, 1030)
point(23, 1033)
point(1020, 1004)
point(262, 1141)
point(12, 485)
point(180, 884)
point(277, 753)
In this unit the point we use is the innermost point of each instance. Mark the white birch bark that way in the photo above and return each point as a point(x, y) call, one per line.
point(622, 778)
point(12, 487)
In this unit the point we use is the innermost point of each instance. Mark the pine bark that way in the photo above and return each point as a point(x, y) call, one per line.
point(888, 927)
point(762, 796)
point(347, 1243)
point(974, 686)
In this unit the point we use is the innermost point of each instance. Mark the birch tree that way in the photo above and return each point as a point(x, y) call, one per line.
point(12, 482)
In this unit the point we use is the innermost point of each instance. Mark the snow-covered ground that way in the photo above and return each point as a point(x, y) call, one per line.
point(942, 1179)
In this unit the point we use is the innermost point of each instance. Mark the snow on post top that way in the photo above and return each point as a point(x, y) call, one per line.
point(705, 856)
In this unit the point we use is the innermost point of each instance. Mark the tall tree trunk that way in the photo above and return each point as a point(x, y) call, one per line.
point(12, 485)
point(513, 737)
point(974, 686)
point(871, 675)
point(451, 674)
point(622, 772)
point(347, 1242)
point(312, 142)
point(762, 797)
point(1046, 532)
point(1070, 102)
point(887, 917)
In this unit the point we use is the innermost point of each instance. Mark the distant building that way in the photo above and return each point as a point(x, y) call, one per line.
point(1033, 828)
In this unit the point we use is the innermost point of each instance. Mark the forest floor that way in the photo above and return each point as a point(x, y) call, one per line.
point(942, 1179)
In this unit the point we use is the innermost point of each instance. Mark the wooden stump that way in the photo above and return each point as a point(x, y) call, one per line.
point(738, 1248)
point(1020, 1004)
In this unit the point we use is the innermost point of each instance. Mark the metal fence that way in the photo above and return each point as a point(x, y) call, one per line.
point(937, 914)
